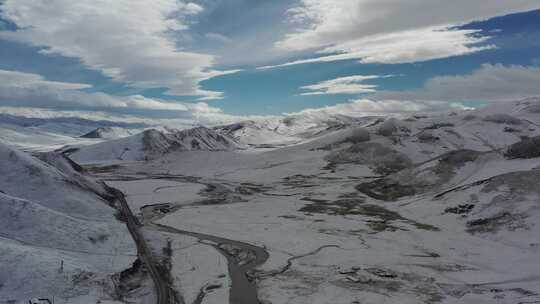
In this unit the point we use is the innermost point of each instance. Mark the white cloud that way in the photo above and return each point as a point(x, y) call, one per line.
point(90, 115)
point(488, 83)
point(368, 107)
point(31, 95)
point(27, 80)
point(402, 47)
point(130, 41)
point(19, 89)
point(389, 31)
point(343, 85)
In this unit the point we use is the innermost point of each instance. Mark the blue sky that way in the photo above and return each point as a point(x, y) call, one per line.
point(218, 59)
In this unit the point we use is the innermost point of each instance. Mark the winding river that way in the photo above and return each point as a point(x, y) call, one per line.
point(243, 288)
point(242, 258)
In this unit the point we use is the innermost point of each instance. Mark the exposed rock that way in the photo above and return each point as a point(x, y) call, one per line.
point(461, 209)
point(388, 128)
point(385, 189)
point(439, 126)
point(502, 119)
point(359, 135)
point(527, 148)
point(427, 137)
point(384, 160)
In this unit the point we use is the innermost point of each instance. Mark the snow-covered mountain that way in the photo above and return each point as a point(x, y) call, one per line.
point(37, 139)
point(109, 133)
point(152, 144)
point(39, 134)
point(55, 224)
point(280, 131)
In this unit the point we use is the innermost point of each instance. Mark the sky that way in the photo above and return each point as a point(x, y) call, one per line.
point(213, 61)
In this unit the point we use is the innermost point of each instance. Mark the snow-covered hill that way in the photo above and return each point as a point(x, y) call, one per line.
point(56, 225)
point(291, 129)
point(109, 133)
point(37, 139)
point(152, 144)
point(40, 134)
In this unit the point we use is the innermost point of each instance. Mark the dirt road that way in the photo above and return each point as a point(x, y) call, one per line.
point(164, 292)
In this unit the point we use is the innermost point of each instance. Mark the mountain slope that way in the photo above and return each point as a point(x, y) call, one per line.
point(24, 176)
point(289, 129)
point(108, 133)
point(152, 144)
point(42, 134)
point(56, 225)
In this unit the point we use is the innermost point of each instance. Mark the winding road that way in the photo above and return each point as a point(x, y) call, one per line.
point(164, 292)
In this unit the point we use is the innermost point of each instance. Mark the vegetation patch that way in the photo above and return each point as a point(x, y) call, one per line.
point(427, 137)
point(511, 130)
point(495, 223)
point(469, 117)
point(300, 181)
point(458, 158)
point(383, 160)
point(460, 209)
point(129, 280)
point(100, 238)
point(385, 189)
point(518, 182)
point(387, 282)
point(339, 207)
point(439, 125)
point(358, 135)
point(502, 119)
point(381, 219)
point(102, 169)
point(525, 149)
point(388, 128)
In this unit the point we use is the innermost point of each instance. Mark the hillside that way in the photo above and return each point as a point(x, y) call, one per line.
point(152, 144)
point(280, 131)
point(58, 232)
point(40, 134)
point(108, 133)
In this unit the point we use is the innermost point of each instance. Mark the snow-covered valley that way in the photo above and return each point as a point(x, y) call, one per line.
point(437, 208)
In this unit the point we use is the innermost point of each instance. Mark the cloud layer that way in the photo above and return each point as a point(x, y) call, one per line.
point(402, 47)
point(368, 107)
point(343, 85)
point(31, 95)
point(490, 83)
point(19, 89)
point(130, 41)
point(387, 31)
point(14, 79)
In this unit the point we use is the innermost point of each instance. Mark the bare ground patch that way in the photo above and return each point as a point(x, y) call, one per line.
point(379, 218)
